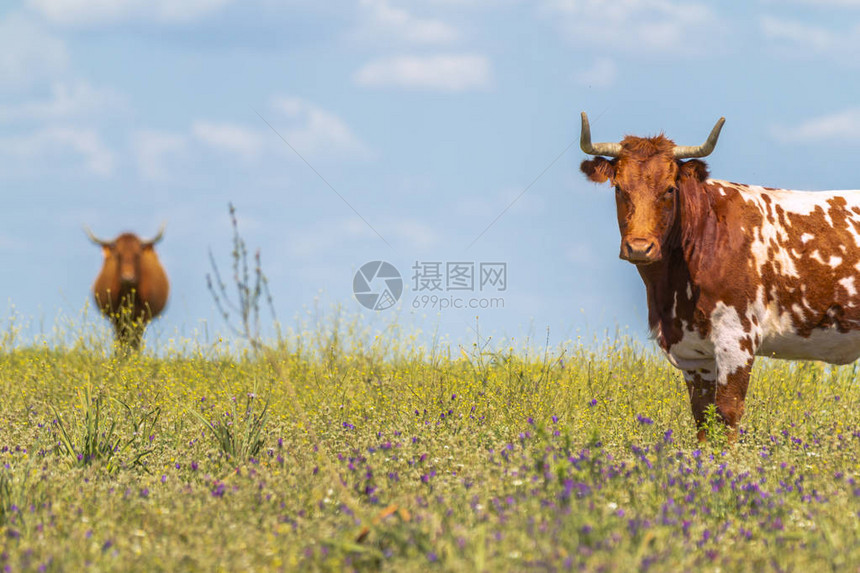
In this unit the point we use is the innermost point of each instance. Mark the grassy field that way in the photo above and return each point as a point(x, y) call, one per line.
point(351, 451)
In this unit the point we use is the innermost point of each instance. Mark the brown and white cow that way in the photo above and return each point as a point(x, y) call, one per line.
point(132, 287)
point(732, 271)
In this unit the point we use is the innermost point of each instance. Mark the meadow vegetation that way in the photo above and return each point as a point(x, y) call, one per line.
point(343, 449)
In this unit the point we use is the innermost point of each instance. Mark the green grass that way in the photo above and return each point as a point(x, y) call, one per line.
point(361, 451)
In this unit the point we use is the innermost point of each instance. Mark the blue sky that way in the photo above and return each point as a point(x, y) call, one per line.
point(420, 123)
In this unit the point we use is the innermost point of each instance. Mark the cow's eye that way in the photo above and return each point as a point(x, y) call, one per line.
point(670, 191)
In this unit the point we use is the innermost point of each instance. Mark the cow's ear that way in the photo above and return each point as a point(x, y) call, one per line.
point(105, 251)
point(599, 169)
point(693, 169)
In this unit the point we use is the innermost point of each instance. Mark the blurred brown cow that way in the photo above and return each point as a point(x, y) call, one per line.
point(132, 287)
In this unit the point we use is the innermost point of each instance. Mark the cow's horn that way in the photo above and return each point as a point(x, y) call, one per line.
point(96, 240)
point(685, 151)
point(158, 236)
point(607, 149)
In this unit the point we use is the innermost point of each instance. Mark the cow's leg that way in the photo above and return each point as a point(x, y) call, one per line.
point(734, 363)
point(128, 334)
point(135, 336)
point(735, 338)
point(731, 394)
point(702, 389)
point(121, 342)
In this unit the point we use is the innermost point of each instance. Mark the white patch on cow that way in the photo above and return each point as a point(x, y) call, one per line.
point(804, 238)
point(832, 262)
point(760, 246)
point(853, 219)
point(689, 291)
point(798, 202)
point(655, 332)
point(727, 335)
point(848, 284)
point(771, 321)
point(798, 310)
point(693, 353)
point(827, 344)
point(675, 306)
point(816, 256)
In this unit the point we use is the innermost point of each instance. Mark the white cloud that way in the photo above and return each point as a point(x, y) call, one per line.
point(803, 39)
point(313, 130)
point(310, 129)
point(67, 100)
point(244, 142)
point(391, 22)
point(656, 26)
point(601, 74)
point(28, 53)
point(449, 73)
point(51, 144)
point(102, 12)
point(152, 150)
point(841, 126)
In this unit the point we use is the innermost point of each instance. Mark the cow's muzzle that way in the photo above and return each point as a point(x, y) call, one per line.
point(640, 251)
